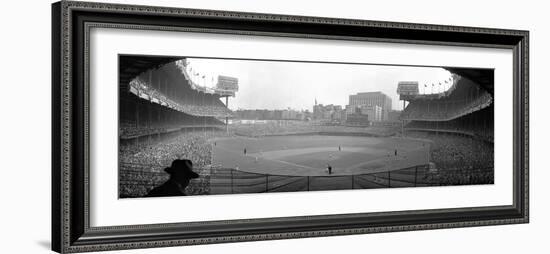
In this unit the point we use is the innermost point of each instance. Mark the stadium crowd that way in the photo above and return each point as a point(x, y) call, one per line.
point(460, 152)
point(142, 165)
point(461, 177)
point(129, 129)
point(286, 127)
point(201, 104)
point(191, 145)
point(445, 109)
point(459, 159)
point(458, 126)
point(163, 102)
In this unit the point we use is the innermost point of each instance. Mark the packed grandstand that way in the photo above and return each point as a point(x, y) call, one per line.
point(460, 124)
point(165, 100)
point(164, 115)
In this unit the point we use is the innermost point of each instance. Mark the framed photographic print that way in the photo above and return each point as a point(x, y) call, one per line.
point(181, 126)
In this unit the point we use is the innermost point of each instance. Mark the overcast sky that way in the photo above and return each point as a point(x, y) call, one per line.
point(296, 85)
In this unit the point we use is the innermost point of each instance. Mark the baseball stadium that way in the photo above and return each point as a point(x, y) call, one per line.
point(166, 113)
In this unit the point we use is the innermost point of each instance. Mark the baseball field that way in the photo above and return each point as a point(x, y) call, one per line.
point(312, 155)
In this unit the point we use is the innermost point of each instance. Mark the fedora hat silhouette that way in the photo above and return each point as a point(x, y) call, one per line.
point(182, 168)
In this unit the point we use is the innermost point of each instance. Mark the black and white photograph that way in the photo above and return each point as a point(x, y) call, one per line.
point(229, 126)
point(206, 126)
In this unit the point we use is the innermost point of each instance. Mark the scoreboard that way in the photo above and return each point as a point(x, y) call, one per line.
point(227, 85)
point(407, 88)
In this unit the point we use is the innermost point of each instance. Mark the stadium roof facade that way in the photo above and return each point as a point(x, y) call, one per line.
point(131, 66)
point(483, 77)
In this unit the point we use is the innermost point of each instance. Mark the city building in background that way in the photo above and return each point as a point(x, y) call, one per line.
point(265, 114)
point(357, 119)
point(329, 112)
point(372, 99)
point(374, 112)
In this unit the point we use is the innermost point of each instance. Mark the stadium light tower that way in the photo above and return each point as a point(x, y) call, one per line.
point(403, 121)
point(225, 87)
point(406, 90)
point(227, 118)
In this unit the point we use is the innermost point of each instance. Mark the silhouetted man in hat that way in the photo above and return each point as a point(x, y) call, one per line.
point(181, 172)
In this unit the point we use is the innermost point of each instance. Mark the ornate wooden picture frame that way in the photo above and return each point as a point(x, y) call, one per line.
point(71, 202)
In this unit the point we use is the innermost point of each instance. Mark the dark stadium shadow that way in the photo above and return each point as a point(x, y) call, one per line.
point(181, 172)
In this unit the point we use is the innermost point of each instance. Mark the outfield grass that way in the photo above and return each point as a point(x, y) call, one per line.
point(309, 155)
